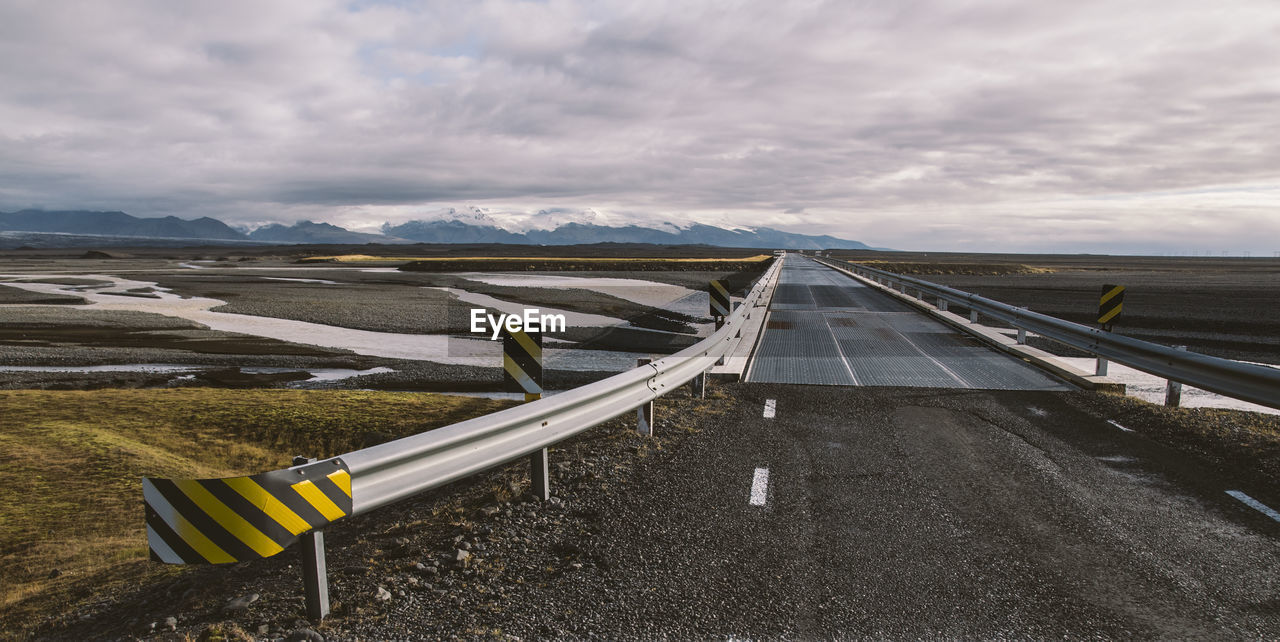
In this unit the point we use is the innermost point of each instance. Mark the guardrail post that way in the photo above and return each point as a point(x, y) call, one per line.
point(973, 316)
point(315, 577)
point(539, 475)
point(942, 304)
point(698, 386)
point(1173, 389)
point(1022, 332)
point(1101, 369)
point(644, 414)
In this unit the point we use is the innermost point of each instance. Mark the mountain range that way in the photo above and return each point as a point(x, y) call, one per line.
point(79, 228)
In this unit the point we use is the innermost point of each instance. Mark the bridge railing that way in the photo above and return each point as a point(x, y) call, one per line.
point(1255, 383)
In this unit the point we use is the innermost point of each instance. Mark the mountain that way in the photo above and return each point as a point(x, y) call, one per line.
point(116, 224)
point(79, 228)
point(309, 232)
point(459, 231)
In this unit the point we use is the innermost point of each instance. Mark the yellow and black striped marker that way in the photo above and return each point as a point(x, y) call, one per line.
point(720, 305)
point(1110, 304)
point(220, 521)
point(522, 363)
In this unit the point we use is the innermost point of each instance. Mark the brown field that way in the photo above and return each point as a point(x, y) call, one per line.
point(1221, 306)
point(75, 458)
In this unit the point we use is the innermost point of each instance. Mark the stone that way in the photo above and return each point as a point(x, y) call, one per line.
point(382, 595)
point(242, 603)
point(171, 623)
point(305, 635)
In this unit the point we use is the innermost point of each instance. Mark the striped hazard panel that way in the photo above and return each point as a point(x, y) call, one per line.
point(219, 521)
point(522, 362)
point(720, 301)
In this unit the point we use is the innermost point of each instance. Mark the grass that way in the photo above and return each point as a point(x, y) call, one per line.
point(71, 464)
point(358, 258)
point(971, 269)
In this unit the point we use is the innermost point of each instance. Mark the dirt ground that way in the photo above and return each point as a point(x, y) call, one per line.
point(1224, 307)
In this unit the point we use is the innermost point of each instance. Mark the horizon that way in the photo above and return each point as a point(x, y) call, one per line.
point(928, 126)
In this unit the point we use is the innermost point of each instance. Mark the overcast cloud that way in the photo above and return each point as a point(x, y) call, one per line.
point(991, 126)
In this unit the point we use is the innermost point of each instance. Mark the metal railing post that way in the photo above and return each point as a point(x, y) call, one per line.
point(942, 304)
point(698, 386)
point(539, 475)
point(315, 577)
point(973, 315)
point(1022, 332)
point(644, 414)
point(1101, 368)
point(1173, 389)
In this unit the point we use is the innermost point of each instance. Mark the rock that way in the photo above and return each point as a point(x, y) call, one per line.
point(54, 573)
point(171, 623)
point(464, 545)
point(264, 630)
point(305, 635)
point(460, 556)
point(382, 595)
point(242, 603)
point(489, 511)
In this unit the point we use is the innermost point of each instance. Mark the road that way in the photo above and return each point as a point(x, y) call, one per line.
point(905, 513)
point(928, 509)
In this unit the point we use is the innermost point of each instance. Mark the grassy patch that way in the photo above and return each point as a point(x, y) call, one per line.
point(969, 269)
point(71, 464)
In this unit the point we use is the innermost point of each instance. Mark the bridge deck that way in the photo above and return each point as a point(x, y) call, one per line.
point(827, 328)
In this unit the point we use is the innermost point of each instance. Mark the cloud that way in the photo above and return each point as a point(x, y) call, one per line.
point(1028, 125)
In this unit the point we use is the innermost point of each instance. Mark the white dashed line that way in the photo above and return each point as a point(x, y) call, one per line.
point(770, 408)
point(1113, 423)
point(760, 487)
point(1251, 503)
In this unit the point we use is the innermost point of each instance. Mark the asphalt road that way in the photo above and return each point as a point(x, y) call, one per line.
point(904, 513)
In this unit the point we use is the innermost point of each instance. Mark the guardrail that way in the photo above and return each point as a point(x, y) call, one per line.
point(235, 519)
point(1250, 382)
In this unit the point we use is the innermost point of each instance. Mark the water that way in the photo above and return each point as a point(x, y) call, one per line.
point(421, 347)
point(317, 374)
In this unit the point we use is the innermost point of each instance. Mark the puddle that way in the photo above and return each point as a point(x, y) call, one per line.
point(293, 280)
point(1118, 459)
point(573, 319)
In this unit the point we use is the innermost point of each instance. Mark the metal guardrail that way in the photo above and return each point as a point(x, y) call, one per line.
point(241, 518)
point(397, 469)
point(1256, 383)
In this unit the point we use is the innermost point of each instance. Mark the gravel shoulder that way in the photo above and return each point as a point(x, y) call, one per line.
point(891, 513)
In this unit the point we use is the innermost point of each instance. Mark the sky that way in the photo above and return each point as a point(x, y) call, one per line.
point(1001, 126)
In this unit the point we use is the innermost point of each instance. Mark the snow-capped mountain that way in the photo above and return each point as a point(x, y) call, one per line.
point(454, 225)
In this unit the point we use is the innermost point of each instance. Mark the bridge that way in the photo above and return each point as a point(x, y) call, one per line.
point(877, 473)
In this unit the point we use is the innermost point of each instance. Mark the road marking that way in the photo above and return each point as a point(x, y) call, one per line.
point(1248, 501)
point(959, 380)
point(843, 357)
point(770, 408)
point(1113, 423)
point(760, 487)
